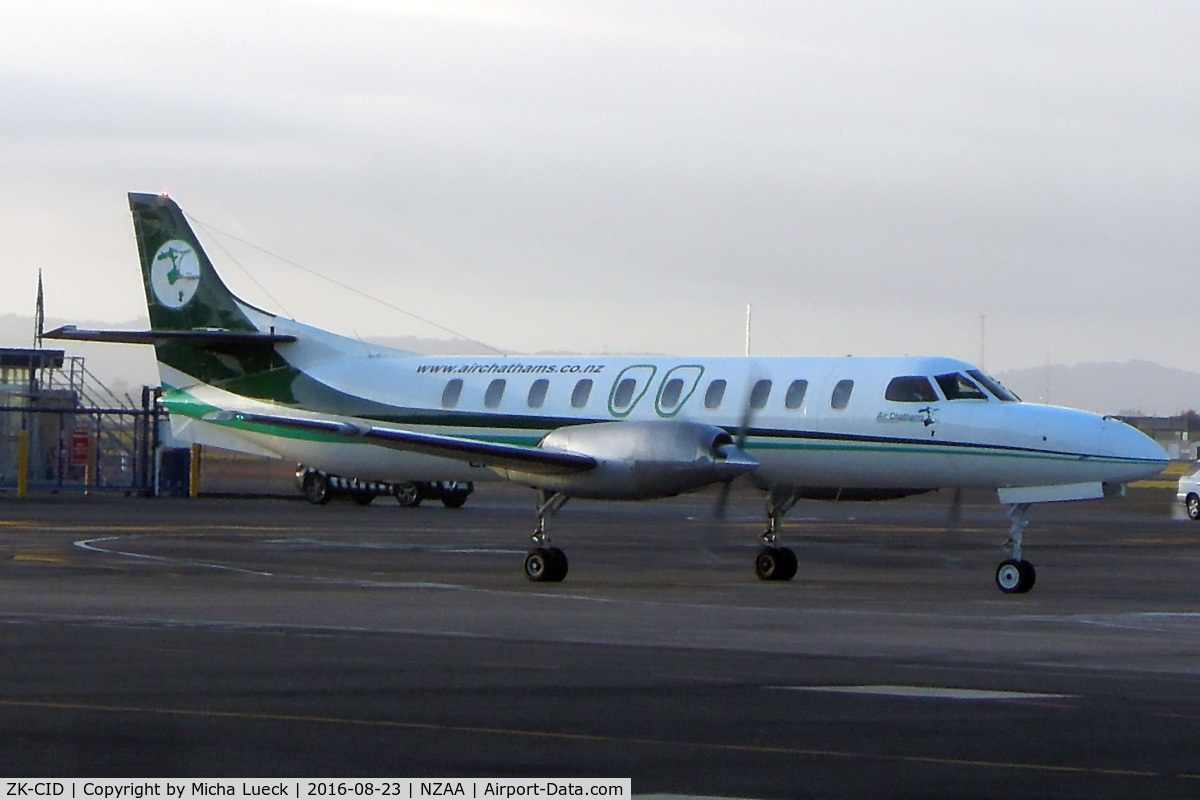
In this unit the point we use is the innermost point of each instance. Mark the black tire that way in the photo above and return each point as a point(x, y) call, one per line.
point(362, 498)
point(1193, 506)
point(455, 498)
point(788, 565)
point(1028, 576)
point(558, 561)
point(408, 495)
point(316, 488)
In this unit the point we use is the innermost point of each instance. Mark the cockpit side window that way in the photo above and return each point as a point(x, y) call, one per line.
point(957, 386)
point(994, 386)
point(911, 389)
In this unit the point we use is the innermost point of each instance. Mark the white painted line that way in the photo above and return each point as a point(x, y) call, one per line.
point(93, 546)
point(926, 692)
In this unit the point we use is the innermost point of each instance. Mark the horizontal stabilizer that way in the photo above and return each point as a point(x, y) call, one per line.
point(204, 336)
point(496, 455)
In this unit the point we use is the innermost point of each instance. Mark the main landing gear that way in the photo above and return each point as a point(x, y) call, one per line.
point(1015, 575)
point(775, 563)
point(545, 563)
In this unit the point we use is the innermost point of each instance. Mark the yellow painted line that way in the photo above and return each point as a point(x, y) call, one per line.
point(1154, 484)
point(588, 737)
point(40, 557)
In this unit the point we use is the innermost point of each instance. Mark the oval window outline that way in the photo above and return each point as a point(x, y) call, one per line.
point(642, 375)
point(690, 375)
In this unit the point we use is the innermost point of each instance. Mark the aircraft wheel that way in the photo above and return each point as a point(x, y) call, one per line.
point(769, 564)
point(455, 498)
point(546, 565)
point(1015, 577)
point(316, 488)
point(1193, 506)
point(362, 498)
point(407, 495)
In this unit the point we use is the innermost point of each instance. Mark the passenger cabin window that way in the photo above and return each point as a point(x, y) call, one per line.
point(910, 389)
point(715, 393)
point(494, 393)
point(623, 396)
point(994, 386)
point(583, 390)
point(760, 393)
point(841, 394)
point(537, 393)
point(957, 386)
point(671, 392)
point(451, 393)
point(795, 394)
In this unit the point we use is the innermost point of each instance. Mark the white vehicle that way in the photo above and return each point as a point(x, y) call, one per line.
point(619, 428)
point(1188, 491)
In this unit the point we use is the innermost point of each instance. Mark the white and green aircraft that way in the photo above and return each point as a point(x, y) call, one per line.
point(621, 428)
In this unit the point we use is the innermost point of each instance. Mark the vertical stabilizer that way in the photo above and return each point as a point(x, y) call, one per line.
point(187, 299)
point(183, 291)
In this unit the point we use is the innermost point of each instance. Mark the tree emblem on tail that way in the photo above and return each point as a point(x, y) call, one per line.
point(175, 273)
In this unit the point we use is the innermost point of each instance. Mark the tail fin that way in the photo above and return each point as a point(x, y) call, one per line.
point(201, 331)
point(183, 291)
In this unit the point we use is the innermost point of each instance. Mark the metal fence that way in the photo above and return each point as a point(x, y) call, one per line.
point(67, 446)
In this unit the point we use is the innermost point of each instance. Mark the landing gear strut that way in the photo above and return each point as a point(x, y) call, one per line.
point(1016, 575)
point(545, 563)
point(775, 563)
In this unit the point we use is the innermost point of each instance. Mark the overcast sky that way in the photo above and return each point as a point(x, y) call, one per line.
point(625, 177)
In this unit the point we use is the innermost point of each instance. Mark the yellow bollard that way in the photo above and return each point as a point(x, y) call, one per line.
point(89, 469)
point(194, 473)
point(23, 464)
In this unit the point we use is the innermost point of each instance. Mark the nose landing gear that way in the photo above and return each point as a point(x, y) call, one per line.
point(1016, 575)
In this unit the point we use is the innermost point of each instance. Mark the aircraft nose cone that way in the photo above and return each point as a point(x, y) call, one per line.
point(1143, 456)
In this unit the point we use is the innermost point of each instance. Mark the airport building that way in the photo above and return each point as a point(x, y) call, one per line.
point(60, 428)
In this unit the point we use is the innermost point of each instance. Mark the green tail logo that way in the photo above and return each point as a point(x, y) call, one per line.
point(175, 274)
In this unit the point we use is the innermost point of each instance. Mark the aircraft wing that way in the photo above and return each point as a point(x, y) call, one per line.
point(478, 453)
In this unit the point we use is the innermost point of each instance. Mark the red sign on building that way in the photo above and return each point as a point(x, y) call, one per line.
point(79, 447)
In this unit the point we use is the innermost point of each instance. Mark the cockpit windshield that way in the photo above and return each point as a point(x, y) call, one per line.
point(957, 386)
point(994, 386)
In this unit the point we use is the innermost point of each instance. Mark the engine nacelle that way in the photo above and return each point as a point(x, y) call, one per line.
point(641, 460)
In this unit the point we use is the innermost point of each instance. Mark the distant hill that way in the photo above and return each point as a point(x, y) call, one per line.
point(1131, 387)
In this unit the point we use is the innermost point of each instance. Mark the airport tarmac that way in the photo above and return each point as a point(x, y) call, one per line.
point(223, 637)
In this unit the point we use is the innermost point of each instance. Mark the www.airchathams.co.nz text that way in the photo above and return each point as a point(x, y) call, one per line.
point(515, 368)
